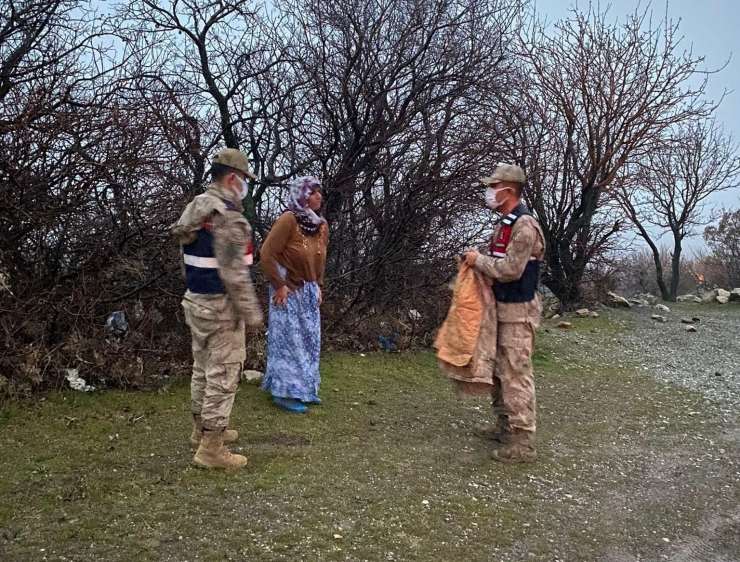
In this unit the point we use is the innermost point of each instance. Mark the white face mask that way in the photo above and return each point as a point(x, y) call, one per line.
point(245, 188)
point(491, 197)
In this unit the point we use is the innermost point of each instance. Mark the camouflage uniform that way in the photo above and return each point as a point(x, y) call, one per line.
point(217, 321)
point(513, 382)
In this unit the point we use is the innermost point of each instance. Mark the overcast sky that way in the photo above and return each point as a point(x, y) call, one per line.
point(712, 28)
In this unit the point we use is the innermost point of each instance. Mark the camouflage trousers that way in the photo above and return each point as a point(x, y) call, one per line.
point(513, 380)
point(218, 355)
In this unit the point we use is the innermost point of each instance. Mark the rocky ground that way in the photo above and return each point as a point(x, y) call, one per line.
point(639, 459)
point(706, 361)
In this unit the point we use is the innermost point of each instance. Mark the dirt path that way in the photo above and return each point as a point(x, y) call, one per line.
point(704, 458)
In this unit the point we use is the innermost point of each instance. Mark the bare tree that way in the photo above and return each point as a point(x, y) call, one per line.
point(724, 241)
point(594, 95)
point(221, 64)
point(398, 99)
point(669, 188)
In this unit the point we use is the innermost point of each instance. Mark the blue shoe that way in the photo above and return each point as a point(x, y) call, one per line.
point(290, 405)
point(313, 402)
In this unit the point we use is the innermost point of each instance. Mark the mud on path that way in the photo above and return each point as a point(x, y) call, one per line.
point(639, 452)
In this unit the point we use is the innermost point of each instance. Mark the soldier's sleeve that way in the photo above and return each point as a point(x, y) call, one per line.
point(231, 233)
point(524, 236)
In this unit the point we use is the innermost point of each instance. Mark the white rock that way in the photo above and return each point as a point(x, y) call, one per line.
point(651, 299)
point(690, 328)
point(252, 377)
point(716, 295)
point(658, 317)
point(662, 308)
point(618, 301)
point(711, 296)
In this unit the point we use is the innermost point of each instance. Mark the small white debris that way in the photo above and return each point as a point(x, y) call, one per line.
point(338, 536)
point(76, 382)
point(425, 502)
point(666, 539)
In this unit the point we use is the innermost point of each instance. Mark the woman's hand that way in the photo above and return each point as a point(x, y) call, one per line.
point(281, 296)
point(471, 257)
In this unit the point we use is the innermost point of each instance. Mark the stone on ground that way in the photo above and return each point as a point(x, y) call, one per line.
point(617, 301)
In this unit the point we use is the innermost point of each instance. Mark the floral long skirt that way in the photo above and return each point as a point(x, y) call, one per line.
point(294, 346)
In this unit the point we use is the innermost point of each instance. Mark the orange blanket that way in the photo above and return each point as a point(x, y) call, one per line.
point(466, 342)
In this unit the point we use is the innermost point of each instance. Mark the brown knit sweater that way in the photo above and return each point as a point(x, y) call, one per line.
point(303, 257)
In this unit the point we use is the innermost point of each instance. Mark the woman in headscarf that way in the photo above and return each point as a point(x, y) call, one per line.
point(293, 260)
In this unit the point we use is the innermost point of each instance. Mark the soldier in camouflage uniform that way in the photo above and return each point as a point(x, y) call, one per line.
point(516, 250)
point(220, 300)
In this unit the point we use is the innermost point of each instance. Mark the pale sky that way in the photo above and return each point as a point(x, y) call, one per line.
point(712, 28)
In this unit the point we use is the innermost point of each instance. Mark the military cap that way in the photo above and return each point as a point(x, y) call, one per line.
point(234, 158)
point(506, 172)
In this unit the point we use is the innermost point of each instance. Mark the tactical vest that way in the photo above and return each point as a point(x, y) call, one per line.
point(201, 265)
point(523, 289)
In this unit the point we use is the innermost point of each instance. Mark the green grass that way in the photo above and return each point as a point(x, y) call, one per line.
point(386, 469)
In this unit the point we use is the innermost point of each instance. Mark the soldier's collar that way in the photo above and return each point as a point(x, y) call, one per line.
point(222, 193)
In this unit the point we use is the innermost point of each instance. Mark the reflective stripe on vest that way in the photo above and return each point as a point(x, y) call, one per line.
point(211, 263)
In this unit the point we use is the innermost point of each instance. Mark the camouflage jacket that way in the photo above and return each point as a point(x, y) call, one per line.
point(231, 235)
point(526, 241)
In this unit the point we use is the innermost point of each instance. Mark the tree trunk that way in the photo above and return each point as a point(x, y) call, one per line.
point(659, 277)
point(675, 267)
point(659, 274)
point(564, 284)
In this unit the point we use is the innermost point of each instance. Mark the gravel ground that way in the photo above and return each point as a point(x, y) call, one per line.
point(707, 360)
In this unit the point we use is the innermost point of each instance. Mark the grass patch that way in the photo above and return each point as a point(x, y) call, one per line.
point(386, 469)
